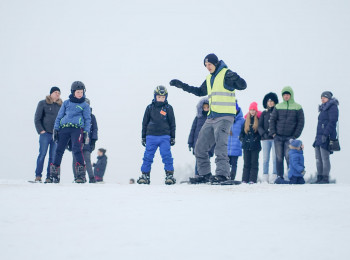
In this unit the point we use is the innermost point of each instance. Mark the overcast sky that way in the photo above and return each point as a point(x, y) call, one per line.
point(122, 50)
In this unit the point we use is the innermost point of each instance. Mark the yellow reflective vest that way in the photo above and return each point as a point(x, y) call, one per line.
point(221, 100)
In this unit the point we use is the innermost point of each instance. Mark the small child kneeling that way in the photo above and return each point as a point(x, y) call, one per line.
point(296, 164)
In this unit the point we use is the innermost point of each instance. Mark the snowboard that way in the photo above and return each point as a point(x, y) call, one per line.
point(230, 182)
point(35, 181)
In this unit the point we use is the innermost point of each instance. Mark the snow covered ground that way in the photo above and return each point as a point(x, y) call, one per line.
point(113, 221)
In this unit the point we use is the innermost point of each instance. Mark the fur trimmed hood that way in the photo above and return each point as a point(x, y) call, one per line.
point(50, 101)
point(200, 104)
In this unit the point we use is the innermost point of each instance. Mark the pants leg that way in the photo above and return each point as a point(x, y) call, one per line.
point(52, 152)
point(151, 148)
point(165, 153)
point(273, 157)
point(266, 146)
point(247, 165)
point(221, 133)
point(73, 165)
point(319, 163)
point(233, 162)
point(204, 143)
point(279, 148)
point(325, 161)
point(87, 157)
point(63, 138)
point(43, 146)
point(286, 150)
point(77, 145)
point(254, 166)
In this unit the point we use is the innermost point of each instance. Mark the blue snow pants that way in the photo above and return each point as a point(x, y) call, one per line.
point(152, 144)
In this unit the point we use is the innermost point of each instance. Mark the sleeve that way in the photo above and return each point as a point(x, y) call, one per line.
point(172, 123)
point(331, 127)
point(300, 123)
point(193, 130)
point(234, 81)
point(273, 121)
point(60, 115)
point(145, 121)
point(87, 118)
point(242, 134)
point(39, 113)
point(261, 129)
point(94, 128)
point(198, 91)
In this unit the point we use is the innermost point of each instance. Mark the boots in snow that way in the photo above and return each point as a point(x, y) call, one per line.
point(265, 178)
point(144, 179)
point(319, 179)
point(201, 179)
point(273, 178)
point(37, 179)
point(325, 180)
point(48, 180)
point(55, 172)
point(217, 179)
point(80, 170)
point(92, 179)
point(169, 179)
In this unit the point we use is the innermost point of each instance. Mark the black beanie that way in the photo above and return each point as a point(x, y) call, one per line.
point(327, 94)
point(212, 58)
point(53, 89)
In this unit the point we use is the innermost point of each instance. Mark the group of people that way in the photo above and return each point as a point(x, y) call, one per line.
point(219, 128)
point(68, 125)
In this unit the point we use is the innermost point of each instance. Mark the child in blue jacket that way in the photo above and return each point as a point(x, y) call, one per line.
point(296, 164)
point(72, 123)
point(158, 130)
point(100, 165)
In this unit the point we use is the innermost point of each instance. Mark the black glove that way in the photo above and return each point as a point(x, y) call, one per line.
point(172, 141)
point(177, 83)
point(324, 139)
point(143, 141)
point(55, 136)
point(230, 77)
point(69, 145)
point(189, 147)
point(86, 139)
point(92, 144)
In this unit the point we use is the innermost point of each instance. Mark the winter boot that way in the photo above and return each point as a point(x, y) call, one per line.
point(48, 180)
point(273, 178)
point(55, 172)
point(92, 179)
point(80, 170)
point(265, 178)
point(319, 179)
point(169, 179)
point(325, 180)
point(217, 179)
point(201, 179)
point(144, 179)
point(37, 179)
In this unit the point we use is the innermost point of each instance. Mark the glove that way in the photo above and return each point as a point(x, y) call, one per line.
point(172, 141)
point(143, 141)
point(55, 136)
point(324, 139)
point(177, 83)
point(92, 144)
point(86, 139)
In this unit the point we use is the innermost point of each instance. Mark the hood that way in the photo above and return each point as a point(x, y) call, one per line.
point(327, 105)
point(290, 90)
point(239, 115)
point(272, 96)
point(200, 106)
point(221, 65)
point(50, 101)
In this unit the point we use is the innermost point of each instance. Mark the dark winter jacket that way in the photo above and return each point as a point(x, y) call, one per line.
point(159, 119)
point(296, 163)
point(198, 122)
point(231, 82)
point(45, 115)
point(287, 119)
point(74, 113)
point(327, 122)
point(234, 145)
point(100, 166)
point(264, 123)
point(250, 140)
point(93, 133)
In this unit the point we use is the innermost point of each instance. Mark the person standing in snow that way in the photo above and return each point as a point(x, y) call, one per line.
point(101, 165)
point(202, 109)
point(326, 132)
point(44, 119)
point(234, 145)
point(268, 145)
point(158, 130)
point(220, 87)
point(286, 123)
point(73, 122)
point(296, 164)
point(251, 144)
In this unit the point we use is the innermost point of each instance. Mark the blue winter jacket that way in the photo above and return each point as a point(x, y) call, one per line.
point(327, 122)
point(296, 163)
point(234, 145)
point(73, 114)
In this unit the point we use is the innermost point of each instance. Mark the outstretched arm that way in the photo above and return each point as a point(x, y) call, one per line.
point(198, 91)
point(234, 81)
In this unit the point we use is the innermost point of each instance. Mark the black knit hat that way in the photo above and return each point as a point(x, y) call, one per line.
point(53, 89)
point(212, 58)
point(272, 96)
point(327, 94)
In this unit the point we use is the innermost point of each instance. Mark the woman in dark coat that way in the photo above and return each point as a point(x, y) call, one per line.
point(326, 131)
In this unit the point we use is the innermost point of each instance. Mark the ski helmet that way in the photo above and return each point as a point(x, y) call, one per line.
point(77, 85)
point(161, 91)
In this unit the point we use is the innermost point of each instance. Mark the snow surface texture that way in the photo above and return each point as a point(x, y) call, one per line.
point(111, 221)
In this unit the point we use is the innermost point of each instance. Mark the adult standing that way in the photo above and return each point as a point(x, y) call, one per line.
point(326, 131)
point(268, 145)
point(286, 122)
point(44, 120)
point(220, 86)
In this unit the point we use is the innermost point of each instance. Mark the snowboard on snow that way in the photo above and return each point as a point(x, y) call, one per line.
point(230, 182)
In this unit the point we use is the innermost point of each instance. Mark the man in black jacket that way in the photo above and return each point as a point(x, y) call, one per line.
point(44, 120)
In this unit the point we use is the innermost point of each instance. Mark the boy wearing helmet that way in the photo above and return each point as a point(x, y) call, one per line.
point(72, 123)
point(158, 130)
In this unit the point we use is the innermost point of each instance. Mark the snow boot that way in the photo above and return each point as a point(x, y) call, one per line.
point(80, 170)
point(37, 179)
point(325, 180)
point(48, 180)
point(169, 179)
point(92, 179)
point(55, 172)
point(319, 179)
point(217, 179)
point(144, 179)
point(201, 179)
point(265, 178)
point(273, 178)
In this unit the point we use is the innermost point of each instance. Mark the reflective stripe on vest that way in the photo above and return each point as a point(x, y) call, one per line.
point(221, 100)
